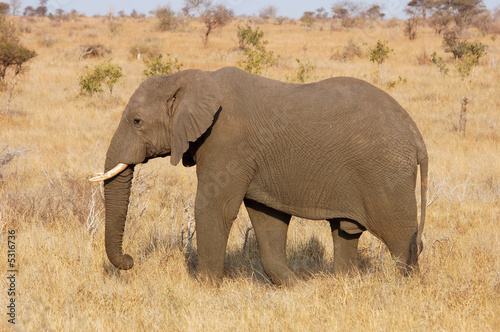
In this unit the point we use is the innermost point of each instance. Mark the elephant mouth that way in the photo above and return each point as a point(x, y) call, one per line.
point(120, 168)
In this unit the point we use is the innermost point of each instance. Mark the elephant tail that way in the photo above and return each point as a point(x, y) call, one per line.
point(424, 170)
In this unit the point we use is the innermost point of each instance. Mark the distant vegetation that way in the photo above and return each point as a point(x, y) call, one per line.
point(14, 58)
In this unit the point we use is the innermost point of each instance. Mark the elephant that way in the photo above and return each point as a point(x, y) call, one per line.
point(339, 149)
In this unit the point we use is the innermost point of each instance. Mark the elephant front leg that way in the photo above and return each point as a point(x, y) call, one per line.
point(345, 248)
point(215, 210)
point(271, 228)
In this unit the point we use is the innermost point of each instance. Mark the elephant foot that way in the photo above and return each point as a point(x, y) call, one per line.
point(282, 276)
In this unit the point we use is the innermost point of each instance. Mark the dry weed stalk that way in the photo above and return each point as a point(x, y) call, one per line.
point(463, 116)
point(9, 153)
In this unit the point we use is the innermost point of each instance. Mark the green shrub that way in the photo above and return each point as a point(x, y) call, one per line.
point(306, 68)
point(461, 48)
point(392, 83)
point(380, 52)
point(155, 66)
point(465, 53)
point(439, 62)
point(453, 44)
point(256, 57)
point(473, 51)
point(105, 73)
point(248, 37)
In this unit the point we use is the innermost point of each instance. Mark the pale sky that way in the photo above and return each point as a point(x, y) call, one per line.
point(289, 8)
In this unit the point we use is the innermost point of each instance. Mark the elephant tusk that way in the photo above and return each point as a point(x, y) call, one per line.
point(109, 174)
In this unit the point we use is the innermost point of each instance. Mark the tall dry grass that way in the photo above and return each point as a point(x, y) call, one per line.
point(57, 140)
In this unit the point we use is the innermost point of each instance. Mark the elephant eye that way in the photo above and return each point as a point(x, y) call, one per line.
point(137, 121)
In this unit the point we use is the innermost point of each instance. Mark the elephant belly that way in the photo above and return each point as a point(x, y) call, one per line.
point(307, 195)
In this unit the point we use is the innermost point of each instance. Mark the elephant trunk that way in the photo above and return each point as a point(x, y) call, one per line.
point(116, 196)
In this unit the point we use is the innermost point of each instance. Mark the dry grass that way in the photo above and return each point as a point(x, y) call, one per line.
point(57, 140)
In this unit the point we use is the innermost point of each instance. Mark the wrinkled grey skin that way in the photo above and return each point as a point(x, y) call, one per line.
point(340, 149)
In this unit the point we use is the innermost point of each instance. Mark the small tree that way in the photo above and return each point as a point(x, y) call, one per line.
point(166, 18)
point(462, 12)
point(155, 66)
point(213, 16)
point(411, 24)
point(411, 28)
point(321, 14)
point(421, 7)
point(374, 13)
point(307, 19)
point(4, 8)
point(349, 13)
point(340, 12)
point(15, 5)
point(268, 12)
point(42, 9)
point(29, 11)
point(13, 60)
point(105, 73)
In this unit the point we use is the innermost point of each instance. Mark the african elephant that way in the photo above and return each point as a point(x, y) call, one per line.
point(339, 149)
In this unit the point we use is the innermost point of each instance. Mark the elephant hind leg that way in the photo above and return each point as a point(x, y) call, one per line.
point(271, 228)
point(346, 236)
point(405, 251)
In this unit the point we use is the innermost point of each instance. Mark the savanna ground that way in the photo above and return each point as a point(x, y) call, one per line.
point(59, 139)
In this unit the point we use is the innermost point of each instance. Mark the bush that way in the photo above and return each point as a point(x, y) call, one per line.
point(105, 74)
point(453, 44)
point(306, 68)
point(439, 62)
point(254, 50)
point(307, 19)
point(13, 60)
point(460, 48)
point(166, 18)
point(411, 28)
point(351, 51)
point(155, 66)
point(248, 37)
point(93, 51)
point(473, 51)
point(256, 59)
point(466, 54)
point(380, 52)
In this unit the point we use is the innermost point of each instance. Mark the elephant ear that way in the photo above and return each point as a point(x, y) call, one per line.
point(198, 99)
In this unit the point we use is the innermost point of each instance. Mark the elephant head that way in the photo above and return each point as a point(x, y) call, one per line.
point(163, 115)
